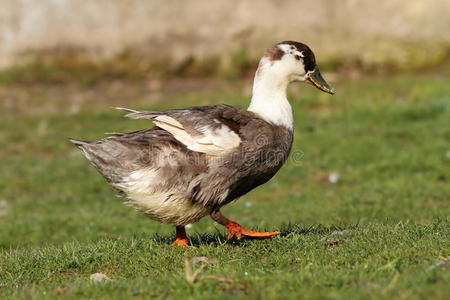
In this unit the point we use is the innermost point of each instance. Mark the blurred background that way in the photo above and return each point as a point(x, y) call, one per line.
point(157, 38)
point(64, 63)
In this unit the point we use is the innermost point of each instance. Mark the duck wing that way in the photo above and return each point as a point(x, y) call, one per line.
point(213, 130)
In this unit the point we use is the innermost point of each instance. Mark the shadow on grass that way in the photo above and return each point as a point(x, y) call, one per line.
point(220, 238)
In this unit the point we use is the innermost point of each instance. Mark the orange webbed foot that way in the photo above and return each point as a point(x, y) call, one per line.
point(181, 239)
point(181, 243)
point(236, 230)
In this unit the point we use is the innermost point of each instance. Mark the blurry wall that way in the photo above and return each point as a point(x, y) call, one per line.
point(170, 31)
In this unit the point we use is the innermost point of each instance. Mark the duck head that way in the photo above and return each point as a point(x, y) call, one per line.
point(292, 61)
point(282, 64)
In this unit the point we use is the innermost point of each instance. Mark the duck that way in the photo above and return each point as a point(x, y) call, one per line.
point(196, 160)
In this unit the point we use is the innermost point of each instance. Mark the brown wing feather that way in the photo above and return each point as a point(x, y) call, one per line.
point(117, 156)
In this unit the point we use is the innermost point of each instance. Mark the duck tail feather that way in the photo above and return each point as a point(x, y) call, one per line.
point(79, 143)
point(125, 109)
point(137, 114)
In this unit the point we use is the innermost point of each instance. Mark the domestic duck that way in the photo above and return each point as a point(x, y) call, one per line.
point(198, 159)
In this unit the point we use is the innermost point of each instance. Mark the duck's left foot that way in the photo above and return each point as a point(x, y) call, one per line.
point(181, 239)
point(236, 230)
point(181, 243)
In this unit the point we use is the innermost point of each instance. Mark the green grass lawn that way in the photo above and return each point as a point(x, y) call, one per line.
point(381, 231)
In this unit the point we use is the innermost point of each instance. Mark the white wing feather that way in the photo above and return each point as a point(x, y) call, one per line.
point(212, 141)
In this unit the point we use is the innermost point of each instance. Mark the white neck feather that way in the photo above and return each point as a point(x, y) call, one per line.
point(269, 99)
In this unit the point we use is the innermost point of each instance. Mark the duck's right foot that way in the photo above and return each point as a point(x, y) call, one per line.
point(236, 230)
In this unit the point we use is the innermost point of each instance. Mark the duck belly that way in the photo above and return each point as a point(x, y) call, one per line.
point(146, 192)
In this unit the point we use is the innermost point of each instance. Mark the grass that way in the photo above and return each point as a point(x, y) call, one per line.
point(381, 231)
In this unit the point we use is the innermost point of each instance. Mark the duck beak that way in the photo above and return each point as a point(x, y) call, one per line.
point(314, 78)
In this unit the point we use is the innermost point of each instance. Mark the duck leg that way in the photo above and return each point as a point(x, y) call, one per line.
point(235, 229)
point(181, 239)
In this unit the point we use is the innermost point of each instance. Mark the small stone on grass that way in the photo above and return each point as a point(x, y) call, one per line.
point(334, 177)
point(99, 277)
point(204, 259)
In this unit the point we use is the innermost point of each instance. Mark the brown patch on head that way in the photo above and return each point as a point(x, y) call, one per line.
point(274, 53)
point(308, 56)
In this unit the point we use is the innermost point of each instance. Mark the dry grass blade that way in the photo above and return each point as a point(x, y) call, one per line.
point(392, 283)
point(191, 274)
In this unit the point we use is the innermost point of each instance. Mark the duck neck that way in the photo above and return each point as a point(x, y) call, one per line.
point(269, 99)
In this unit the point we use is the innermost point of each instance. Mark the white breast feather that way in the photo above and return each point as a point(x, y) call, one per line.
point(148, 194)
